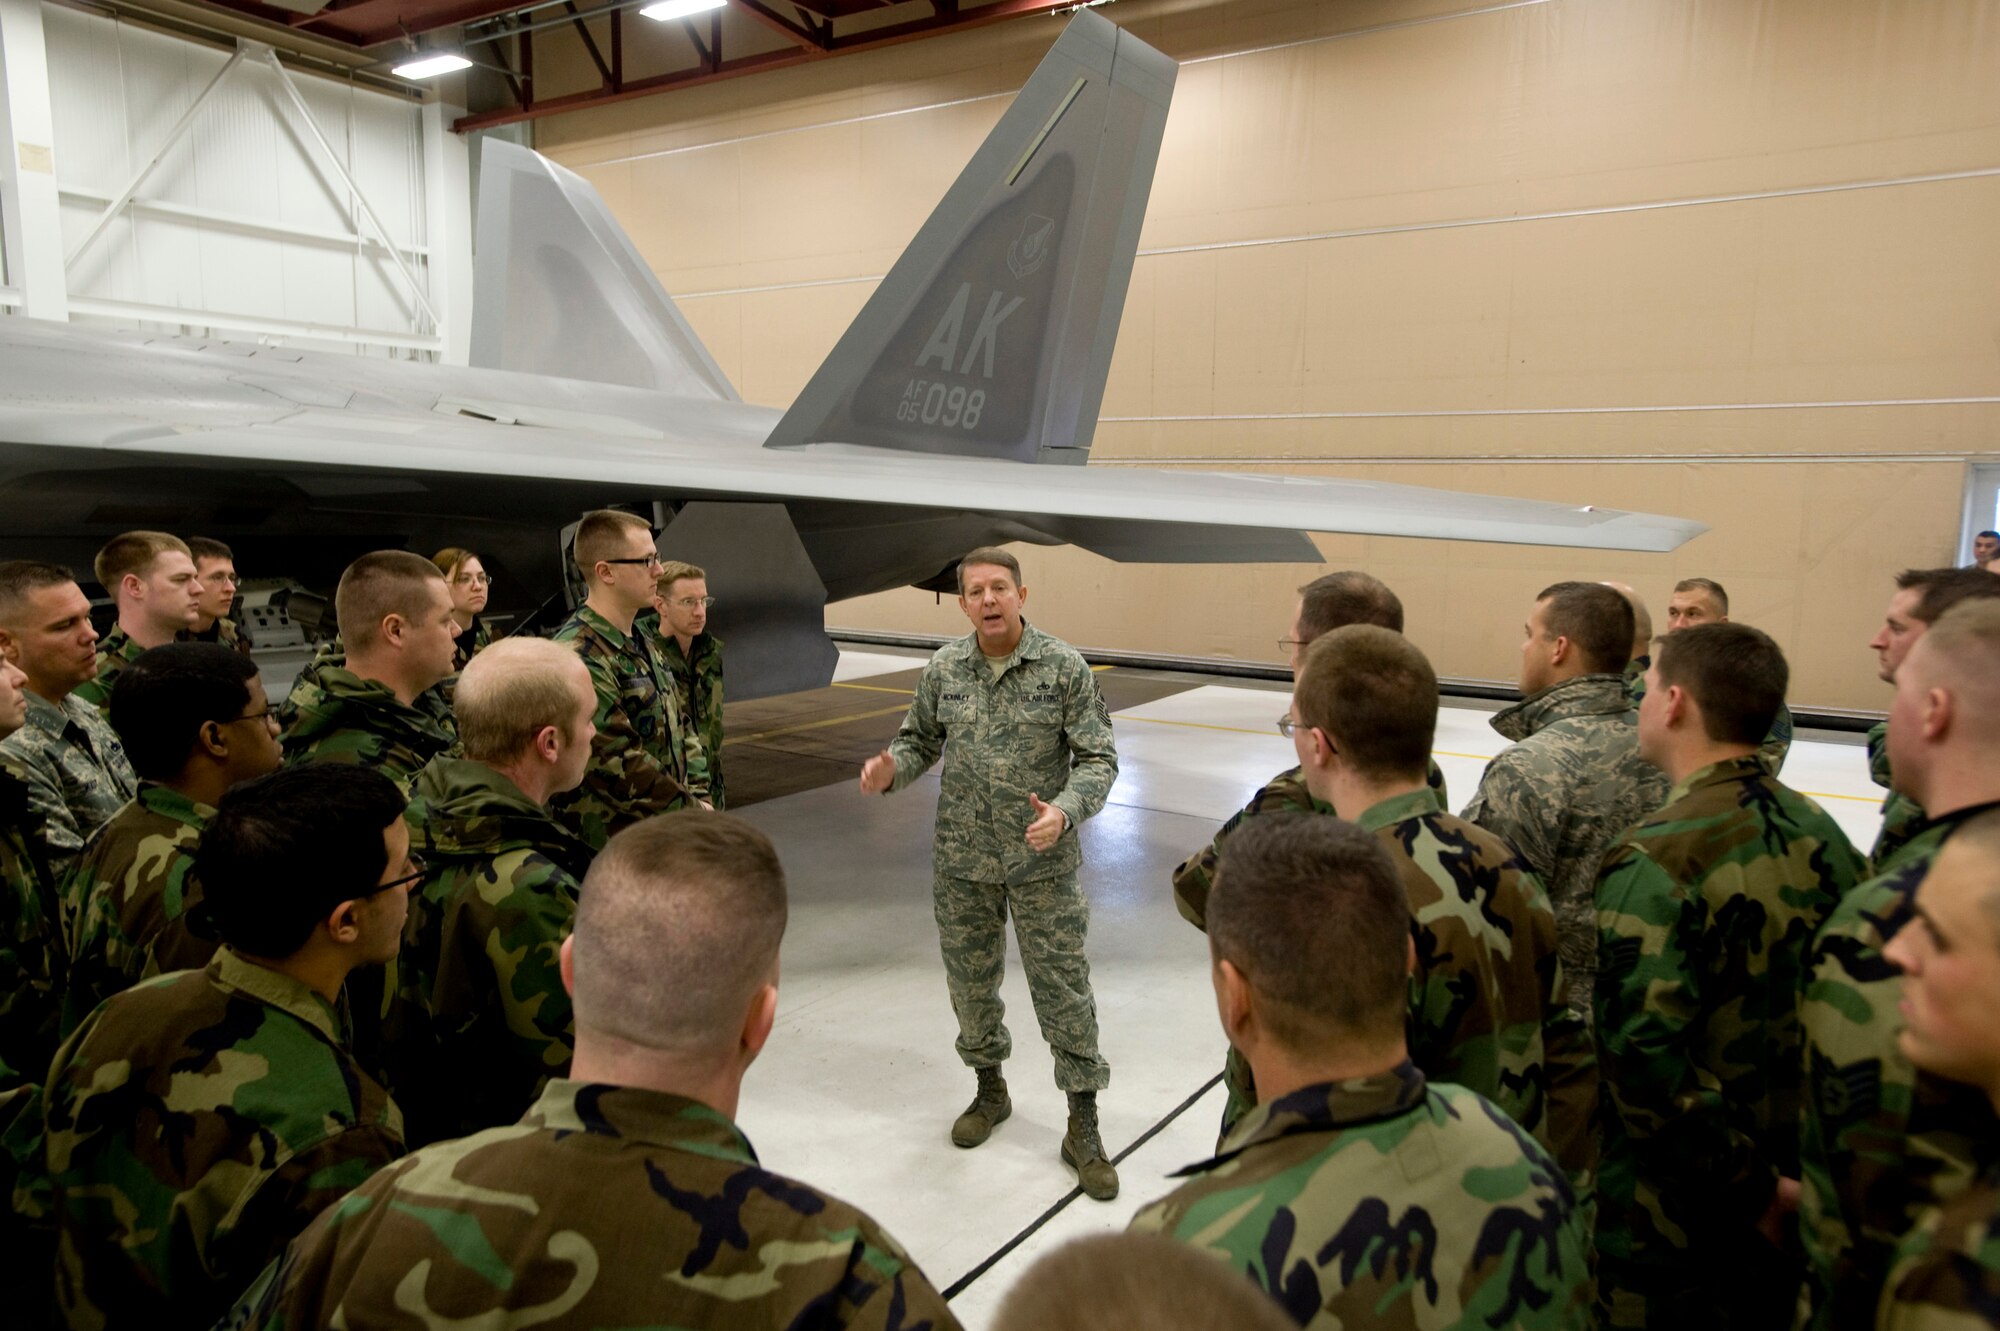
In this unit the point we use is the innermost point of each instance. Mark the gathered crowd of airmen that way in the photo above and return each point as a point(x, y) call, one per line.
point(424, 995)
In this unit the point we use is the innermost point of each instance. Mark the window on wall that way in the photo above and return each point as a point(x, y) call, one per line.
point(1982, 507)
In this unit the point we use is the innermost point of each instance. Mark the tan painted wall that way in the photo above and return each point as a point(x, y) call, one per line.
point(1499, 250)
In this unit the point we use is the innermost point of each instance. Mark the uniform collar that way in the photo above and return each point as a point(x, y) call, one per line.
point(170, 803)
point(1716, 774)
point(605, 629)
point(50, 718)
point(1584, 695)
point(1399, 808)
point(652, 1117)
point(1033, 646)
point(233, 974)
point(1326, 1106)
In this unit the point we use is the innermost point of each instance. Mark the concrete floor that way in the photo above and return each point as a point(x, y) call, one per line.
point(859, 1084)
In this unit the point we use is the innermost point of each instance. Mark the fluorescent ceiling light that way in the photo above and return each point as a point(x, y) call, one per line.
point(429, 66)
point(667, 10)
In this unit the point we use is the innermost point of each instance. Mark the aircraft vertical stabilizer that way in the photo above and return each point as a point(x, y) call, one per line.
point(560, 290)
point(991, 337)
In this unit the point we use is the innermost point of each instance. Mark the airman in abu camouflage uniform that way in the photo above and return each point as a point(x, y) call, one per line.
point(626, 1196)
point(693, 658)
point(1367, 1196)
point(1705, 912)
point(1028, 755)
point(31, 946)
point(1573, 781)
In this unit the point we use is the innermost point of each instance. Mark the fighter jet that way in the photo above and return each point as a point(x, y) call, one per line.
point(942, 420)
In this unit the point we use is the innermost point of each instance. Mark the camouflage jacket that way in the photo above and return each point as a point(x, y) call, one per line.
point(1571, 785)
point(644, 760)
point(1286, 791)
point(224, 631)
point(115, 651)
point(482, 1018)
point(356, 720)
point(698, 690)
point(1388, 1203)
point(1777, 742)
point(1901, 815)
point(1947, 1272)
point(125, 904)
point(1705, 912)
point(195, 1124)
point(1881, 1143)
point(75, 769)
point(1488, 1007)
point(27, 1225)
point(32, 955)
point(605, 1206)
point(1041, 728)
point(469, 644)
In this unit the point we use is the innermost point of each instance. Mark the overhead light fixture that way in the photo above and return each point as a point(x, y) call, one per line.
point(668, 10)
point(430, 66)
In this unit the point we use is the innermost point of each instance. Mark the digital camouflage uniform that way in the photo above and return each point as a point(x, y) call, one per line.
point(225, 632)
point(354, 720)
point(195, 1124)
point(1881, 1143)
point(126, 903)
point(1777, 741)
point(1040, 727)
point(605, 1206)
point(1569, 787)
point(482, 1017)
point(1389, 1203)
point(32, 954)
point(1901, 815)
point(644, 760)
point(1947, 1272)
point(115, 651)
point(698, 690)
point(76, 772)
point(1705, 912)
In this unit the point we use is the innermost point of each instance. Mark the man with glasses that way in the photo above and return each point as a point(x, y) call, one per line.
point(195, 722)
point(693, 657)
point(216, 581)
point(645, 759)
point(197, 1122)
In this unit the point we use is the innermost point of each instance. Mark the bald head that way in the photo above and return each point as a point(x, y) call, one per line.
point(677, 931)
point(514, 690)
point(1642, 619)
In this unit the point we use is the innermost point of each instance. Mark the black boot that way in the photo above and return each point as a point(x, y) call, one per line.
point(1083, 1151)
point(986, 1111)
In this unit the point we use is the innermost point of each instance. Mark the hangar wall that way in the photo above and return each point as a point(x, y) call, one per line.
point(1731, 261)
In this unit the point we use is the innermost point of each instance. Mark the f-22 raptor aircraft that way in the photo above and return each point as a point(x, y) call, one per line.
point(940, 421)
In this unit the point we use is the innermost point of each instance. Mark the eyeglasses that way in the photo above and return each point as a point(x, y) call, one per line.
point(648, 561)
point(1286, 644)
point(1286, 726)
point(269, 716)
point(481, 579)
point(222, 579)
point(690, 602)
point(418, 870)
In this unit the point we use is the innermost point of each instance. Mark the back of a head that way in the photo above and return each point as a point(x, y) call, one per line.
point(133, 552)
point(1708, 586)
point(1311, 910)
point(284, 849)
point(1335, 600)
point(602, 534)
point(1596, 620)
point(160, 702)
point(1642, 618)
point(678, 926)
point(205, 547)
point(1736, 674)
point(377, 585)
point(1944, 588)
point(21, 579)
point(1373, 690)
point(1961, 653)
point(511, 691)
point(1136, 1282)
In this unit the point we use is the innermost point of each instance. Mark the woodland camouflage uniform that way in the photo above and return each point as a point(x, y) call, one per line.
point(32, 952)
point(1902, 816)
point(698, 690)
point(605, 1206)
point(340, 717)
point(224, 632)
point(1705, 912)
point(115, 651)
point(1946, 1276)
point(1389, 1203)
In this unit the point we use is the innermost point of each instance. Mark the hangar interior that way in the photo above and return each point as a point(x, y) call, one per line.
point(1731, 262)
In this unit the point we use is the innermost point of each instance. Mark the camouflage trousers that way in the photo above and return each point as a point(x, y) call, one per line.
point(1051, 919)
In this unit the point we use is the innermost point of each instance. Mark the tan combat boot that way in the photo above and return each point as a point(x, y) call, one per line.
point(1084, 1152)
point(986, 1111)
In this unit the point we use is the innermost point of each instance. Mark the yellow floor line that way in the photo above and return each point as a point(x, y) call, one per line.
point(875, 688)
point(811, 725)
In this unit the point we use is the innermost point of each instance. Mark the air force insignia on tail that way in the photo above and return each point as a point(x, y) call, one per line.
point(1031, 248)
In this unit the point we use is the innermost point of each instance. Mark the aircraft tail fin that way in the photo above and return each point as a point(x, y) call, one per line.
point(991, 337)
point(560, 290)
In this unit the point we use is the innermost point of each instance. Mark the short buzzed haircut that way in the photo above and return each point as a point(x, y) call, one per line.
point(1736, 674)
point(1312, 911)
point(1376, 694)
point(1965, 644)
point(377, 585)
point(204, 547)
point(22, 578)
point(133, 552)
point(1939, 589)
point(160, 702)
point(677, 570)
point(1596, 619)
point(1980, 834)
point(1335, 600)
point(601, 535)
point(1709, 586)
point(511, 691)
point(1106, 1281)
point(993, 555)
point(678, 925)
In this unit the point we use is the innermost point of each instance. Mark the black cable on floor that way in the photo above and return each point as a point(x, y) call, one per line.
point(958, 1286)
